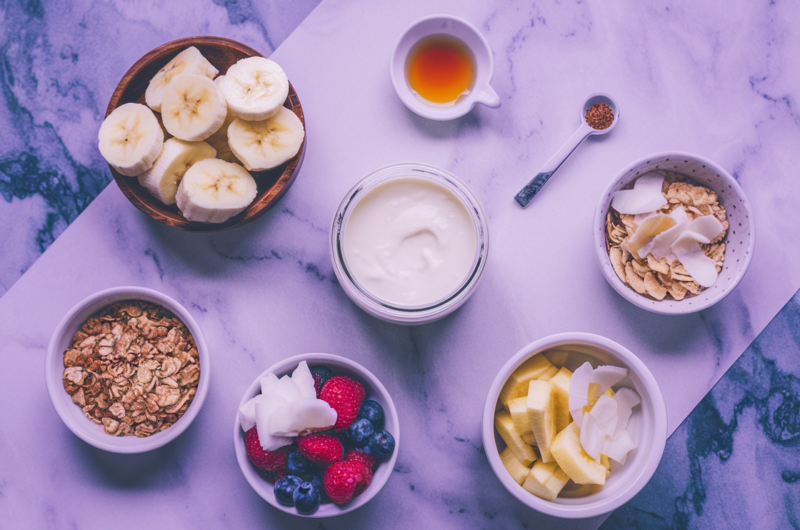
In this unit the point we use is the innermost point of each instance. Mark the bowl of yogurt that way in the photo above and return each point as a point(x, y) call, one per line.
point(409, 243)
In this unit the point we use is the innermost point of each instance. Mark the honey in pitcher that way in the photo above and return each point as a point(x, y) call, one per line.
point(440, 68)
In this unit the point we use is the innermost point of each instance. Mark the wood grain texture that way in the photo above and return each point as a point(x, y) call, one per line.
point(222, 53)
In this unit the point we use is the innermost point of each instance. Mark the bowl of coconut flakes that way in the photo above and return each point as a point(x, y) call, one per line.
point(674, 233)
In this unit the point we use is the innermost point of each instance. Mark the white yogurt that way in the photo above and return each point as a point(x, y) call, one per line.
point(410, 241)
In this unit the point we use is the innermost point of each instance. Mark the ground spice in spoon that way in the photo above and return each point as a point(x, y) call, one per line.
point(599, 116)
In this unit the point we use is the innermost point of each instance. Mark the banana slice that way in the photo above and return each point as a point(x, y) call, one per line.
point(189, 61)
point(266, 144)
point(219, 140)
point(255, 88)
point(213, 191)
point(192, 109)
point(176, 157)
point(130, 139)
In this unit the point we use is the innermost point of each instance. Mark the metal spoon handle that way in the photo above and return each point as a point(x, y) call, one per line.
point(530, 190)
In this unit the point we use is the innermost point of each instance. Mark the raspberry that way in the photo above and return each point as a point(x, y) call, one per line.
point(367, 472)
point(345, 480)
point(360, 456)
point(345, 396)
point(321, 449)
point(271, 463)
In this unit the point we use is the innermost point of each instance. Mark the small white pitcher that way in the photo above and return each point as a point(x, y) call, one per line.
point(459, 28)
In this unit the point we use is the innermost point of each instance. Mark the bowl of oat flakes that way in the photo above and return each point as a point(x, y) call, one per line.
point(674, 233)
point(127, 369)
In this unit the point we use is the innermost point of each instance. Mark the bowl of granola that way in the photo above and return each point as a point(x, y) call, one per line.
point(127, 369)
point(674, 233)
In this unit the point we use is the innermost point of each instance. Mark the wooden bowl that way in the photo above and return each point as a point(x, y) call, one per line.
point(222, 53)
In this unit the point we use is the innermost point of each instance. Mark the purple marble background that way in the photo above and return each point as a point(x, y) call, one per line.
point(717, 78)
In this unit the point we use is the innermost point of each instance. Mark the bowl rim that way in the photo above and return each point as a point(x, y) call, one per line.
point(263, 203)
point(55, 387)
point(631, 295)
point(252, 477)
point(633, 363)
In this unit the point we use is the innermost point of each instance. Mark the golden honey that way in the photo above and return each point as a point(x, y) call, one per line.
point(440, 68)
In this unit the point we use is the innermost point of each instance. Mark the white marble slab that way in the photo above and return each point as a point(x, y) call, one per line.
point(687, 77)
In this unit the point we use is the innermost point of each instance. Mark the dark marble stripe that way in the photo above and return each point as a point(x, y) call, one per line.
point(242, 11)
point(37, 162)
point(735, 461)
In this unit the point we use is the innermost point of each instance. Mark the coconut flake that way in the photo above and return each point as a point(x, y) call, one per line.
point(660, 245)
point(702, 268)
point(626, 399)
point(705, 228)
point(269, 383)
point(579, 391)
point(639, 218)
point(288, 389)
point(304, 380)
point(605, 414)
point(691, 255)
point(268, 404)
point(617, 448)
point(592, 437)
point(247, 414)
point(607, 376)
point(301, 416)
point(645, 196)
point(647, 231)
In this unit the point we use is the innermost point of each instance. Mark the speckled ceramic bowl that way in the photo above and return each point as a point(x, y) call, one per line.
point(375, 391)
point(647, 427)
point(739, 243)
point(73, 416)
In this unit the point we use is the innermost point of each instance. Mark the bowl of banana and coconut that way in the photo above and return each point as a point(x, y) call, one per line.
point(574, 425)
point(203, 134)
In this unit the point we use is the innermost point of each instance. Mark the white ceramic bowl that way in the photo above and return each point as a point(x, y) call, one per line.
point(647, 427)
point(481, 91)
point(73, 416)
point(375, 391)
point(739, 244)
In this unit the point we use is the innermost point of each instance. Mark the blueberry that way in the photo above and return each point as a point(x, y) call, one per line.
point(285, 488)
point(372, 411)
point(381, 444)
point(321, 374)
point(299, 465)
point(323, 497)
point(306, 498)
point(359, 432)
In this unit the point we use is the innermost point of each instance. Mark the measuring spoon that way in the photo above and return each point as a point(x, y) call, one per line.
point(530, 190)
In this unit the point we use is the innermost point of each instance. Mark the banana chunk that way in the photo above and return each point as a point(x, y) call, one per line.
point(219, 140)
point(193, 108)
point(266, 144)
point(189, 61)
point(176, 157)
point(255, 88)
point(130, 139)
point(213, 191)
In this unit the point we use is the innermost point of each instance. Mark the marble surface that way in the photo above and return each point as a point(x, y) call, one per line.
point(735, 461)
point(719, 79)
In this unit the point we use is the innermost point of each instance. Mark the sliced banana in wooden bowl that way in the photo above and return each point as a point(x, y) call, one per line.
point(204, 109)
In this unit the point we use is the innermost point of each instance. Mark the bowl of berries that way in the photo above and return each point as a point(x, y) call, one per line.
point(316, 435)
